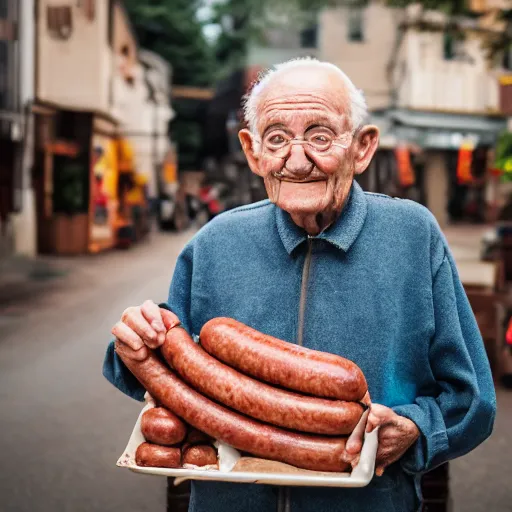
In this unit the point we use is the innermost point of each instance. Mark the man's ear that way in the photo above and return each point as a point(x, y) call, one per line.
point(250, 149)
point(365, 145)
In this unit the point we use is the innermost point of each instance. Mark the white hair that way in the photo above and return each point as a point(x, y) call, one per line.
point(358, 108)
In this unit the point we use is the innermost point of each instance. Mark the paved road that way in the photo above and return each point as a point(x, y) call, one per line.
point(63, 426)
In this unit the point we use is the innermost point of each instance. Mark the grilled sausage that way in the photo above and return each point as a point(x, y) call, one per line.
point(160, 426)
point(195, 436)
point(257, 399)
point(281, 363)
point(245, 434)
point(200, 455)
point(152, 455)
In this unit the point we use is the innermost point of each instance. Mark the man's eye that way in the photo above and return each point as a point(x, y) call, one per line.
point(321, 139)
point(276, 140)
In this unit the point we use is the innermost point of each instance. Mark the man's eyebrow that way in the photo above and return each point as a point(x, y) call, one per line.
point(273, 126)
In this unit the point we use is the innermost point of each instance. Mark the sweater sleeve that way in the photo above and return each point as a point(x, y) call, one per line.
point(460, 414)
point(178, 302)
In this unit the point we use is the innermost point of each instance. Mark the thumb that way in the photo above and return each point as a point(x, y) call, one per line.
point(379, 415)
point(169, 318)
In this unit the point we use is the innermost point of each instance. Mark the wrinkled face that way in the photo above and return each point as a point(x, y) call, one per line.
point(305, 148)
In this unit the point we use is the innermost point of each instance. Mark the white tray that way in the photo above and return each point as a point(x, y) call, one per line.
point(360, 476)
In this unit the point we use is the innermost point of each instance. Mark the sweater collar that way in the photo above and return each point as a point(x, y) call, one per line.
point(342, 234)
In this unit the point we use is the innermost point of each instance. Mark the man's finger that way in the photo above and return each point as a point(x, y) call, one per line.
point(136, 321)
point(151, 313)
point(124, 351)
point(127, 336)
point(373, 422)
point(379, 416)
point(380, 470)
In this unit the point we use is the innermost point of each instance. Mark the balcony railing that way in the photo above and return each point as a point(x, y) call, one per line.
point(450, 86)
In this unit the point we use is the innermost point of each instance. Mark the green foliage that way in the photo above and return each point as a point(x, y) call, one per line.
point(171, 29)
point(503, 158)
point(70, 192)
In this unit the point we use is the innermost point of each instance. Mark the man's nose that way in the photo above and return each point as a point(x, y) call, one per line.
point(297, 162)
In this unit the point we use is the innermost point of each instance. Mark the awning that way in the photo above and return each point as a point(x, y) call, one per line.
point(387, 139)
point(439, 130)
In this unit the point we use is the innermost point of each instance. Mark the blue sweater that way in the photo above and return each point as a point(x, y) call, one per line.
point(382, 290)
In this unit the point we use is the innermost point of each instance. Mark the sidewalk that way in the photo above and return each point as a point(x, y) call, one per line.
point(22, 278)
point(465, 244)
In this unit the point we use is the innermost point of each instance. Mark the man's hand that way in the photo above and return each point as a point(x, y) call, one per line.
point(140, 327)
point(396, 435)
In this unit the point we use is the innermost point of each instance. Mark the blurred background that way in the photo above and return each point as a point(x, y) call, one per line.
point(118, 140)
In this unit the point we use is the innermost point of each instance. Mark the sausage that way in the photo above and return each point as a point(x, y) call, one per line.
point(253, 398)
point(281, 363)
point(245, 434)
point(160, 426)
point(152, 455)
point(200, 455)
point(195, 436)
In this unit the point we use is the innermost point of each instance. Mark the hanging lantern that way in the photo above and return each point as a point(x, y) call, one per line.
point(464, 175)
point(406, 177)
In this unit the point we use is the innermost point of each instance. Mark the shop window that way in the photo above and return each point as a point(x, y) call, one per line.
point(506, 61)
point(59, 21)
point(88, 8)
point(70, 185)
point(309, 37)
point(355, 24)
point(4, 8)
point(4, 75)
point(453, 47)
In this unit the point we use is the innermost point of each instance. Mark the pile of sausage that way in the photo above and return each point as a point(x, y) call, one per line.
point(259, 394)
point(170, 443)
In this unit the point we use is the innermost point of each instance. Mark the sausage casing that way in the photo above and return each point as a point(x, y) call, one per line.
point(257, 399)
point(281, 363)
point(200, 455)
point(245, 434)
point(155, 456)
point(195, 436)
point(160, 426)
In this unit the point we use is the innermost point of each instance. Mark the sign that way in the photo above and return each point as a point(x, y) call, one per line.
point(63, 148)
point(464, 176)
point(406, 177)
point(104, 177)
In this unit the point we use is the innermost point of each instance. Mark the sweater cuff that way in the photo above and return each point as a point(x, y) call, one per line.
point(432, 441)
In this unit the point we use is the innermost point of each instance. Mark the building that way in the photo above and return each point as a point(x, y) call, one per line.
point(101, 122)
point(445, 96)
point(72, 111)
point(143, 108)
point(17, 215)
point(429, 85)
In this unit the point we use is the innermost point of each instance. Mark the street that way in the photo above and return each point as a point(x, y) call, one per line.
point(63, 426)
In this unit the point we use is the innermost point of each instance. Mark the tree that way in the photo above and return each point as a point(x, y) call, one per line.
point(171, 29)
point(242, 21)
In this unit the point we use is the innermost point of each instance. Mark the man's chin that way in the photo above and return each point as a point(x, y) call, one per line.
point(303, 198)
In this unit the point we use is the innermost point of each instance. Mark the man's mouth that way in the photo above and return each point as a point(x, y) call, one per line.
point(295, 179)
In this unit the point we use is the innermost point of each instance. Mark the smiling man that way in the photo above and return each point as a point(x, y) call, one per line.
point(330, 267)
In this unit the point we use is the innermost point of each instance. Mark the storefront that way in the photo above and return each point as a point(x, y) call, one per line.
point(76, 181)
point(104, 182)
point(438, 143)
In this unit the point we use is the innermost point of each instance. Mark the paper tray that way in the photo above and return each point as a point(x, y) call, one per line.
point(282, 474)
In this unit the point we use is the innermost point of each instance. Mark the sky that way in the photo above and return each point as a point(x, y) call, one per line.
point(211, 31)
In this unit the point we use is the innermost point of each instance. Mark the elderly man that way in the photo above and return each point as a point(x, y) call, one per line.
point(333, 268)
